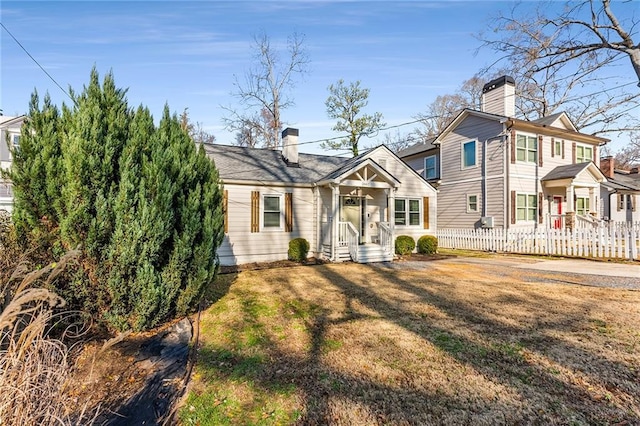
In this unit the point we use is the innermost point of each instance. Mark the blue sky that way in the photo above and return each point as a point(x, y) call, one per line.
point(187, 53)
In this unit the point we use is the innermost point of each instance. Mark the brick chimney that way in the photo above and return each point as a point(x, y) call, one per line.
point(499, 96)
point(607, 165)
point(290, 147)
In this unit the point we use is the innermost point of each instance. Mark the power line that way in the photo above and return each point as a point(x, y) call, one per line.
point(36, 62)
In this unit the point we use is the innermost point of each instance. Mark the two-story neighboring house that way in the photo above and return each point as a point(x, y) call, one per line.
point(10, 128)
point(494, 170)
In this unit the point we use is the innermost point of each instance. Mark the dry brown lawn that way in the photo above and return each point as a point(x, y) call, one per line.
point(454, 343)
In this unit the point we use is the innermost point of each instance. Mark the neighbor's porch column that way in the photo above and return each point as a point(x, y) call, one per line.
point(335, 205)
point(570, 216)
point(593, 209)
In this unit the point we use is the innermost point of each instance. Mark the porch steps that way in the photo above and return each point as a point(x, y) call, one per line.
point(369, 253)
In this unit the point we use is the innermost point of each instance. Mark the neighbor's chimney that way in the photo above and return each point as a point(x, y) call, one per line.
point(498, 96)
point(607, 165)
point(290, 147)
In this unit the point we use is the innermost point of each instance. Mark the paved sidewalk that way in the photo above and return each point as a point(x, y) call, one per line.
point(590, 267)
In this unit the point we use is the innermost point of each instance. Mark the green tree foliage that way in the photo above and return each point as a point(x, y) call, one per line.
point(345, 104)
point(142, 201)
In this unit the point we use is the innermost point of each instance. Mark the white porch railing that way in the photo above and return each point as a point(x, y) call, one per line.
point(352, 240)
point(386, 237)
point(343, 233)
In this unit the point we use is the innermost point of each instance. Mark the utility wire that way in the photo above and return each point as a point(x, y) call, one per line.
point(36, 62)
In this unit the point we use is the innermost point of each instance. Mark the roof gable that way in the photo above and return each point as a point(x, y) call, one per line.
point(580, 171)
point(559, 120)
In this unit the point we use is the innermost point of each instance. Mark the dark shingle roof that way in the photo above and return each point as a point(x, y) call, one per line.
point(548, 120)
point(417, 148)
point(623, 181)
point(565, 172)
point(267, 165)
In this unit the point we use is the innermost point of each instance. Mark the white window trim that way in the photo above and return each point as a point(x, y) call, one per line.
point(583, 146)
point(477, 203)
point(265, 228)
point(557, 144)
point(407, 215)
point(13, 139)
point(527, 194)
point(586, 205)
point(435, 166)
point(462, 144)
point(527, 150)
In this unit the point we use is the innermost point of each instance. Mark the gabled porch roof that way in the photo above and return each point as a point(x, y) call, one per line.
point(581, 174)
point(361, 171)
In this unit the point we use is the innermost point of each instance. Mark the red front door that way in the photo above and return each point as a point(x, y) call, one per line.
point(557, 221)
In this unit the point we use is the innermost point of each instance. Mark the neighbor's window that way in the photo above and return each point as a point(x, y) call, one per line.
point(527, 148)
point(430, 167)
point(469, 154)
point(584, 153)
point(558, 148)
point(582, 206)
point(16, 141)
point(526, 206)
point(472, 203)
point(407, 212)
point(271, 211)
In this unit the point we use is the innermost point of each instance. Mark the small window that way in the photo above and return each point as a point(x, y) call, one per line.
point(526, 207)
point(430, 170)
point(407, 212)
point(527, 148)
point(472, 203)
point(558, 148)
point(584, 153)
point(469, 154)
point(271, 211)
point(16, 141)
point(582, 206)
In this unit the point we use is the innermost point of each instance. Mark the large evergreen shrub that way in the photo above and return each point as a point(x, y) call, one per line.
point(141, 201)
point(404, 245)
point(427, 244)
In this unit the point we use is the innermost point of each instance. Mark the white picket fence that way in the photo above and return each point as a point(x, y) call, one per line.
point(617, 240)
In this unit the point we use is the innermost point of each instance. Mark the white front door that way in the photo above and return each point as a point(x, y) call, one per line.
point(351, 211)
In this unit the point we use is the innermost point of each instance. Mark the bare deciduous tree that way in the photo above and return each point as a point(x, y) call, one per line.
point(629, 156)
point(263, 92)
point(195, 129)
point(561, 63)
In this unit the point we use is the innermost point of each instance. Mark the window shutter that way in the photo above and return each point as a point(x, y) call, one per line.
point(513, 207)
point(563, 149)
point(255, 211)
point(425, 212)
point(540, 217)
point(288, 212)
point(595, 154)
point(573, 153)
point(553, 147)
point(513, 146)
point(620, 201)
point(225, 210)
point(540, 150)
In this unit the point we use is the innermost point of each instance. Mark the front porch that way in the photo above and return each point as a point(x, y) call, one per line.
point(348, 246)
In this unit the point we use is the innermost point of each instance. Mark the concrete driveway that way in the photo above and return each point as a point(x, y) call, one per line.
point(590, 267)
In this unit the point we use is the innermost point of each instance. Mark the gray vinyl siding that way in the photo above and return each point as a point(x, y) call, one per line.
point(458, 182)
point(242, 246)
point(472, 128)
point(4, 148)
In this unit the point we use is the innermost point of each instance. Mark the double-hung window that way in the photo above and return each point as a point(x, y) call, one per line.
point(526, 148)
point(526, 206)
point(582, 206)
point(472, 203)
point(407, 212)
point(469, 154)
point(430, 167)
point(584, 153)
point(272, 211)
point(558, 148)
